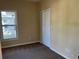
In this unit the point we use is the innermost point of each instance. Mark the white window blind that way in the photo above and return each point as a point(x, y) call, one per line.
point(8, 25)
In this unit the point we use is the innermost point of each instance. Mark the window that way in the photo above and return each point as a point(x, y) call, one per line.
point(8, 24)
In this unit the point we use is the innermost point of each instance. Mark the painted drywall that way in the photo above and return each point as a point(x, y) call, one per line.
point(65, 26)
point(0, 51)
point(72, 25)
point(27, 20)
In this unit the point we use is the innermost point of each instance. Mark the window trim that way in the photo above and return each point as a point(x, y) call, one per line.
point(1, 27)
point(16, 22)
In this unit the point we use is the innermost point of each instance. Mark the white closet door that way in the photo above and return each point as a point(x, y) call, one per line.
point(46, 28)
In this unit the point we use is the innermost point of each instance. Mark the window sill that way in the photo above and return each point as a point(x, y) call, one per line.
point(13, 39)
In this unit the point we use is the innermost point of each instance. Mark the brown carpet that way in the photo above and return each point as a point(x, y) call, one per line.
point(32, 51)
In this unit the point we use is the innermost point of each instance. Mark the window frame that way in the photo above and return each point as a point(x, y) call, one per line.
point(16, 24)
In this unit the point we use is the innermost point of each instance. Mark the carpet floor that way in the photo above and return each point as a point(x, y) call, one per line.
point(31, 51)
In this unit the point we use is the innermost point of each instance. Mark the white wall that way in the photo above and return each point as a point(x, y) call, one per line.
point(65, 23)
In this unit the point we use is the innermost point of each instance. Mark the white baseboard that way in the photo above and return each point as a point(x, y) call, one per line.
point(57, 52)
point(20, 44)
point(36, 42)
